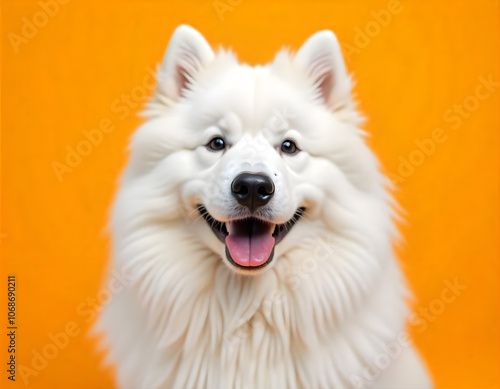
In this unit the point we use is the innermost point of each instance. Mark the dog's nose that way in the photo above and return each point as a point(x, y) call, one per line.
point(252, 190)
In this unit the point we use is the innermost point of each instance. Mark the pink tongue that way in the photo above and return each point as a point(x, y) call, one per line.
point(249, 243)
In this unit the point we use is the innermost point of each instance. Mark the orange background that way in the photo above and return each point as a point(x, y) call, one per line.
point(69, 75)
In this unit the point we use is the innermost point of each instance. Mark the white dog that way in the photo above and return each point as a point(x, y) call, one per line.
point(256, 228)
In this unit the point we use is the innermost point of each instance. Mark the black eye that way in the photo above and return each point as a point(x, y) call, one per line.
point(289, 147)
point(216, 144)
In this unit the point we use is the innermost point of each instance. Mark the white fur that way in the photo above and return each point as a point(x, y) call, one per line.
point(333, 296)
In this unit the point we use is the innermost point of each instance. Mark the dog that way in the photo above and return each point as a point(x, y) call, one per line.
point(256, 230)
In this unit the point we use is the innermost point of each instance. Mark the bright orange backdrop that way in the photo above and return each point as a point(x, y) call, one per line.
point(86, 56)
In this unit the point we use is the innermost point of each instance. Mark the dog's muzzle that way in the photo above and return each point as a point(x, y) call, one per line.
point(250, 240)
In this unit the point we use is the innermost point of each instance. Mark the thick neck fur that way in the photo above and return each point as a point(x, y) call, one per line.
point(214, 328)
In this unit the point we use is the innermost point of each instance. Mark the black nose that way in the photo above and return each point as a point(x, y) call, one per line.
point(252, 190)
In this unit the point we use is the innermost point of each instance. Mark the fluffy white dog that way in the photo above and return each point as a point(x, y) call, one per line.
point(256, 228)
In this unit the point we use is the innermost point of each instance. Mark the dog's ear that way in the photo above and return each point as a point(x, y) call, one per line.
point(320, 57)
point(187, 53)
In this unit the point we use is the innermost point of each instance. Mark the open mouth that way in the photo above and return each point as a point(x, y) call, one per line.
point(250, 242)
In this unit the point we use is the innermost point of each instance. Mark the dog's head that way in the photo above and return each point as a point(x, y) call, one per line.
point(252, 161)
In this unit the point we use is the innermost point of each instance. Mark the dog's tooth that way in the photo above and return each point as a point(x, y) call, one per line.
point(273, 228)
point(228, 228)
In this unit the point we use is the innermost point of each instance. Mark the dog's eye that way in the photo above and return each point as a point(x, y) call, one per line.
point(289, 147)
point(216, 144)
